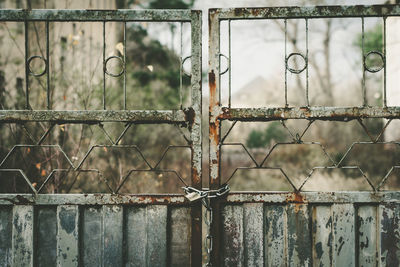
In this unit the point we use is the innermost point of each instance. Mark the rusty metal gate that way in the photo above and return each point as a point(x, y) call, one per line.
point(296, 228)
point(112, 229)
point(299, 228)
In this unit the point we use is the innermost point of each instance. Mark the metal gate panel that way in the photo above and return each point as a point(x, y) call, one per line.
point(104, 229)
point(298, 228)
point(95, 230)
point(315, 229)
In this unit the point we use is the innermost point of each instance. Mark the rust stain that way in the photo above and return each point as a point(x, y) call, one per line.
point(189, 116)
point(213, 87)
point(296, 198)
point(195, 178)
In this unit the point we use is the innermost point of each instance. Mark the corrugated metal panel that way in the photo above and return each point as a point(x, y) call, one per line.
point(311, 234)
point(95, 235)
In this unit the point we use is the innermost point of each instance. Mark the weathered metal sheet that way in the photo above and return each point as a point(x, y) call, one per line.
point(343, 235)
point(389, 216)
point(253, 226)
point(5, 235)
point(22, 236)
point(180, 244)
point(46, 228)
point(146, 237)
point(67, 235)
point(112, 235)
point(95, 235)
point(233, 249)
point(323, 234)
point(367, 235)
point(299, 235)
point(275, 236)
point(92, 236)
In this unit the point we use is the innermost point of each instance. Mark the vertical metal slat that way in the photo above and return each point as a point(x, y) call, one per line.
point(67, 235)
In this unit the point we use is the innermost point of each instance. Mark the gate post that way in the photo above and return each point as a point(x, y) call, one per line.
point(214, 130)
point(196, 134)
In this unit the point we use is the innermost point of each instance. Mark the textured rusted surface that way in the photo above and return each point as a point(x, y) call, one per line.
point(94, 116)
point(95, 15)
point(311, 113)
point(95, 235)
point(91, 199)
point(307, 12)
point(322, 234)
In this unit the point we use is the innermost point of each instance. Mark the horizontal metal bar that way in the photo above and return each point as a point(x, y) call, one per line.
point(95, 15)
point(171, 199)
point(307, 12)
point(320, 113)
point(94, 116)
point(90, 199)
point(314, 197)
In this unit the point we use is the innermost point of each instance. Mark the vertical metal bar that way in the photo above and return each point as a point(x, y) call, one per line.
point(286, 101)
point(26, 65)
point(364, 91)
point(48, 64)
point(125, 65)
point(196, 134)
point(181, 68)
point(230, 64)
point(384, 62)
point(307, 97)
point(104, 65)
point(215, 130)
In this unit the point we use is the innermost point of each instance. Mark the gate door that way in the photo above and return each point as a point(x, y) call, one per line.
point(77, 186)
point(337, 202)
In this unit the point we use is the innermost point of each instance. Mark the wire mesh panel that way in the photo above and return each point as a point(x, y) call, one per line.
point(318, 132)
point(106, 102)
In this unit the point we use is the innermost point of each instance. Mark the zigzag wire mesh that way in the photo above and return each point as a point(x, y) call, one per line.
point(38, 154)
point(333, 164)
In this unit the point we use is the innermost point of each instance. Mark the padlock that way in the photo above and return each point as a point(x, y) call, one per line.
point(193, 196)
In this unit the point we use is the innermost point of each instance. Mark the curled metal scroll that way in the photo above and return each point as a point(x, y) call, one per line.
point(183, 70)
point(374, 69)
point(31, 72)
point(296, 71)
point(227, 68)
point(113, 74)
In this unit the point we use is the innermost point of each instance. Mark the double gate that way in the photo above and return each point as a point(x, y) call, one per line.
point(297, 228)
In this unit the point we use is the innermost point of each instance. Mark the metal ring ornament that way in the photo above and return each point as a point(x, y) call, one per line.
point(183, 70)
point(31, 72)
point(373, 70)
point(227, 68)
point(296, 71)
point(112, 74)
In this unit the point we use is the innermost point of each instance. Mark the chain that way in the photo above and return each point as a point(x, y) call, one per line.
point(206, 195)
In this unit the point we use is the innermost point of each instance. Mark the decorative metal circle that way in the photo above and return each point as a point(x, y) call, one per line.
point(227, 68)
point(183, 70)
point(296, 71)
point(373, 70)
point(113, 74)
point(31, 72)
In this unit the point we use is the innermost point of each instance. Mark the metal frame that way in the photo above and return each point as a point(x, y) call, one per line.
point(219, 113)
point(189, 118)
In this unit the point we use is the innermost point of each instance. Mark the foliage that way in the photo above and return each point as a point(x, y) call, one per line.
point(273, 133)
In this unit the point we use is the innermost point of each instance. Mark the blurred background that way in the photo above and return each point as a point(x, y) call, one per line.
point(154, 51)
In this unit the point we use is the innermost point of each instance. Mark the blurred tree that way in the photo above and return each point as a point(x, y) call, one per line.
point(259, 139)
